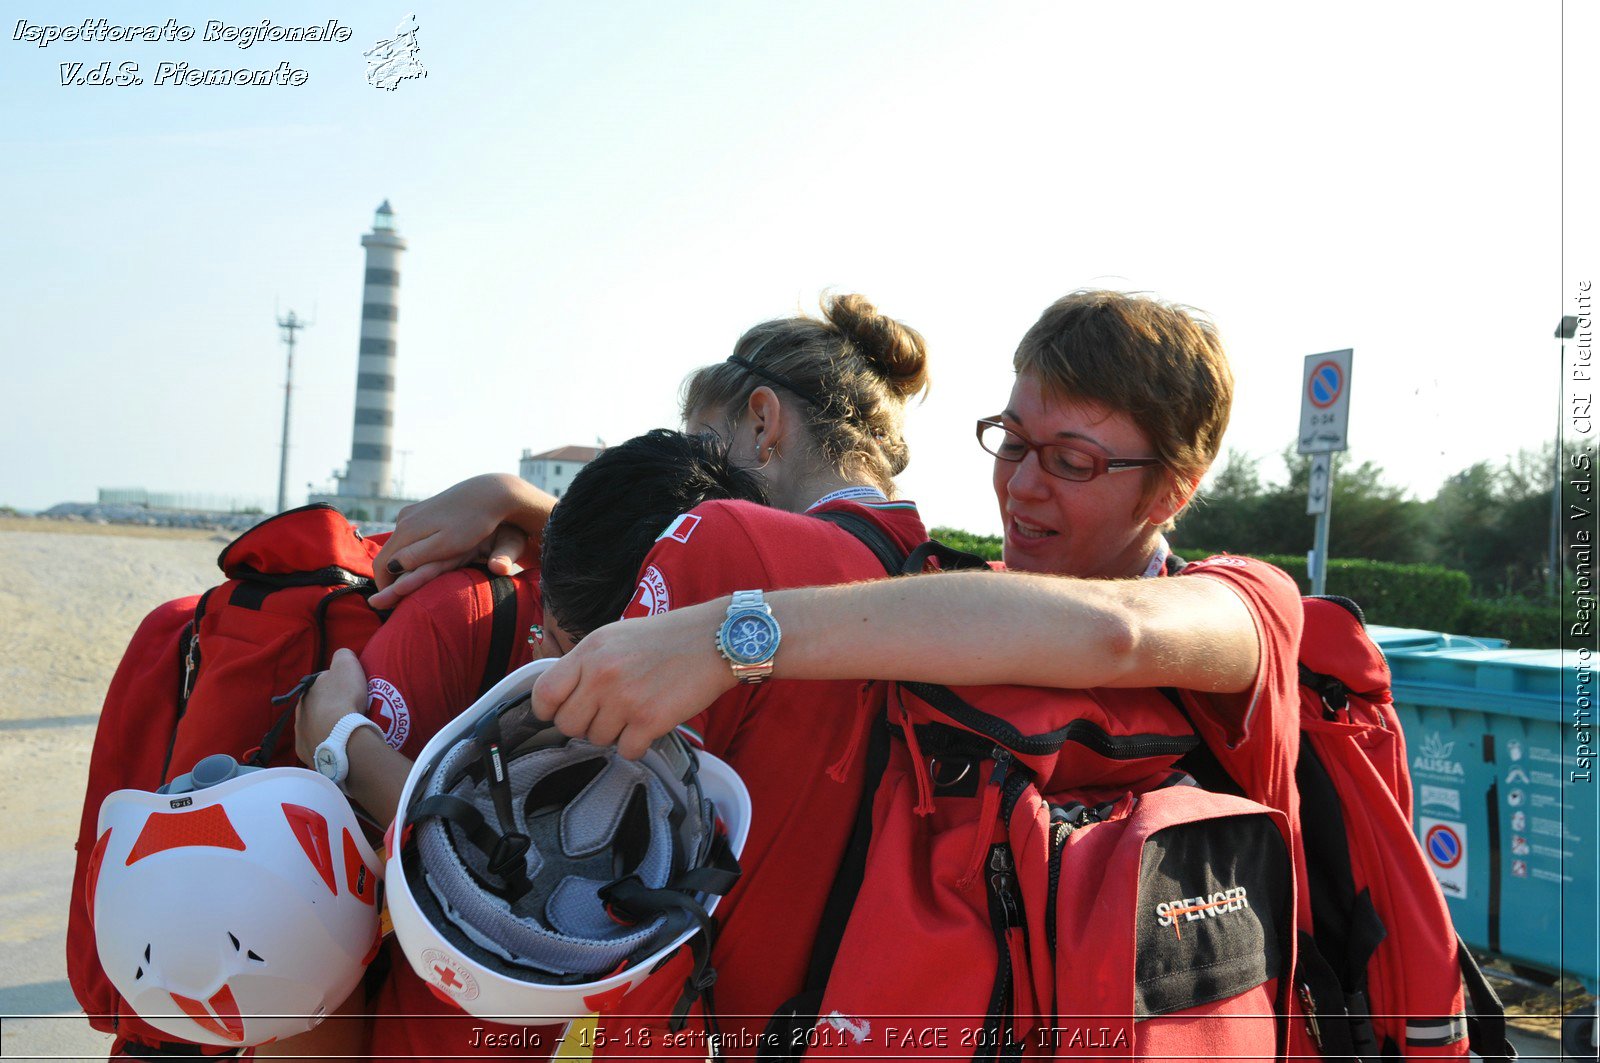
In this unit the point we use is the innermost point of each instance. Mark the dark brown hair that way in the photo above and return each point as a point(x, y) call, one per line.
point(1160, 363)
point(852, 372)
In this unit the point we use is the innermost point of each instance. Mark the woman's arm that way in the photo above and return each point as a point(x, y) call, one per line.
point(632, 681)
point(496, 518)
point(377, 772)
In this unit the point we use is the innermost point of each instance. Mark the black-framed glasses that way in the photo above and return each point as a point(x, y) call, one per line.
point(1062, 460)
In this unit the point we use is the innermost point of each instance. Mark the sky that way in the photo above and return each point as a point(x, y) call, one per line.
point(600, 197)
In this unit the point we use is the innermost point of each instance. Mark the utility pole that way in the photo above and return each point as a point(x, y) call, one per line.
point(1565, 330)
point(290, 324)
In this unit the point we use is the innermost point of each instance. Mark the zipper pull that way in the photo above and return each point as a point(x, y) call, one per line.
point(1001, 882)
point(1310, 1008)
point(1002, 765)
point(189, 666)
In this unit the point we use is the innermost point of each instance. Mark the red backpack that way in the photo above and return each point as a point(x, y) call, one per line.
point(217, 674)
point(1031, 874)
point(1000, 912)
point(1381, 970)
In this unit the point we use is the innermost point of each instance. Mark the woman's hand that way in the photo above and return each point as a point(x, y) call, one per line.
point(339, 691)
point(495, 518)
point(631, 682)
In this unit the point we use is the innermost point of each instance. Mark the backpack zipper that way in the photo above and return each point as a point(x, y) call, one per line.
point(1084, 733)
point(191, 672)
point(1005, 914)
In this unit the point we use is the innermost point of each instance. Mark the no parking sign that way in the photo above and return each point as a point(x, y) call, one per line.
point(1325, 403)
point(1445, 843)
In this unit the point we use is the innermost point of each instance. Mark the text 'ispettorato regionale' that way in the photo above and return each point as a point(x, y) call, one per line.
point(172, 71)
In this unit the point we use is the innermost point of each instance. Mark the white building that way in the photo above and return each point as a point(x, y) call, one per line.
point(553, 470)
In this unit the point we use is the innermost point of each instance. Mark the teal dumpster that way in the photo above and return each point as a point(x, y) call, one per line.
point(1408, 639)
point(1501, 744)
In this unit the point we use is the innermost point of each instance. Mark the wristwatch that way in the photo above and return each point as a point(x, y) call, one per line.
point(749, 637)
point(331, 759)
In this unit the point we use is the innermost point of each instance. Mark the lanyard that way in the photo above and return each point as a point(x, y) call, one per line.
point(849, 494)
point(1158, 563)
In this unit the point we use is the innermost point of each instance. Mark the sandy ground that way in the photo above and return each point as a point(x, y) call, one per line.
point(71, 594)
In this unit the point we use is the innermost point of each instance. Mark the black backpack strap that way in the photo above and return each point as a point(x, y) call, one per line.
point(785, 1033)
point(784, 1036)
point(291, 699)
point(950, 559)
point(1200, 761)
point(874, 538)
point(503, 632)
point(1348, 928)
point(1486, 1017)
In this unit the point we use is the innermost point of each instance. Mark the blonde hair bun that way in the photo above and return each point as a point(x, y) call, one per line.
point(895, 351)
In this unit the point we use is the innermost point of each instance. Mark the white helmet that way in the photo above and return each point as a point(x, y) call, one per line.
point(235, 905)
point(537, 875)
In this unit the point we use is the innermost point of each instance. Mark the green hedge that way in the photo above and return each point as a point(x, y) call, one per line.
point(1424, 596)
point(985, 546)
point(1531, 625)
point(1420, 596)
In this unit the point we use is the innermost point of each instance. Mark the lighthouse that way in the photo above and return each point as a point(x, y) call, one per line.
point(367, 490)
point(369, 474)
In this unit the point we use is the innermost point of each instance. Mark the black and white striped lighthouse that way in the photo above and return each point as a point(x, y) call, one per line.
point(370, 473)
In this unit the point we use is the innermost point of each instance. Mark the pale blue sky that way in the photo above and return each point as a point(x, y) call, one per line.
point(600, 197)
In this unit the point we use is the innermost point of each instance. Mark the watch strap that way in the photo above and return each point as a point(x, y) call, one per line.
point(338, 740)
point(747, 672)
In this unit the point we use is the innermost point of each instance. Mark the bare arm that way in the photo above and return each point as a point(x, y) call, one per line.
point(496, 518)
point(632, 681)
point(377, 772)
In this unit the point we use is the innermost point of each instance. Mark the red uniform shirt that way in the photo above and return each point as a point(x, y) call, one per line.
point(424, 667)
point(1260, 750)
point(780, 737)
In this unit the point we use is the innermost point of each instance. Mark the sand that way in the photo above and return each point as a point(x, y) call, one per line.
point(71, 595)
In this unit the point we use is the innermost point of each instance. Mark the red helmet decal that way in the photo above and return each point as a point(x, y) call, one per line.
point(226, 1023)
point(311, 831)
point(377, 943)
point(361, 879)
point(91, 877)
point(204, 826)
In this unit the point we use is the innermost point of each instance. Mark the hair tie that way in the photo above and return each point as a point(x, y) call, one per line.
point(774, 378)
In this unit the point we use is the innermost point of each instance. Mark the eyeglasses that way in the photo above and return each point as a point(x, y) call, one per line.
point(1058, 459)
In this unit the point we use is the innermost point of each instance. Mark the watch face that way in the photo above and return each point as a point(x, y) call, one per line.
point(325, 762)
point(750, 638)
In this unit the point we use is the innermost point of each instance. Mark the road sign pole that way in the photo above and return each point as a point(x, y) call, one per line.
point(1324, 431)
point(1319, 580)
